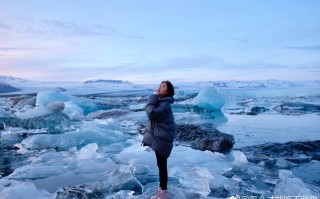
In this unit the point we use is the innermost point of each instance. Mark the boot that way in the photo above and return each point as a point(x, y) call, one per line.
point(157, 194)
point(164, 194)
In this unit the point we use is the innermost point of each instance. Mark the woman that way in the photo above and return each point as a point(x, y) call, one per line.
point(160, 132)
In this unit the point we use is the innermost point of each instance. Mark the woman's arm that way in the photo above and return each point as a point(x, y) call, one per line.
point(155, 111)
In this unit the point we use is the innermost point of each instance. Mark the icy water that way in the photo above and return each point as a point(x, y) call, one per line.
point(90, 147)
point(254, 130)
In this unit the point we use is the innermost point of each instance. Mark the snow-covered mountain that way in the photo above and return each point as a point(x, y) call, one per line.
point(15, 81)
point(14, 84)
point(103, 81)
point(6, 88)
point(110, 84)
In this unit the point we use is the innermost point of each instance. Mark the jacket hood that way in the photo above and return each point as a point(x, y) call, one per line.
point(167, 99)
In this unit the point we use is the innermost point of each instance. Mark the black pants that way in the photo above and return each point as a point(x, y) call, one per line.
point(163, 171)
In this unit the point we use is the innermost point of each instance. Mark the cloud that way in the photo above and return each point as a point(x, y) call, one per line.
point(241, 40)
point(57, 28)
point(210, 63)
point(9, 49)
point(4, 26)
point(315, 47)
point(308, 66)
point(191, 62)
point(179, 63)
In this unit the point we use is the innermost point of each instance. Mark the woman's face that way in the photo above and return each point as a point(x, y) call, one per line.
point(162, 90)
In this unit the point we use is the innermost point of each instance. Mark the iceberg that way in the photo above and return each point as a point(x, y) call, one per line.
point(28, 111)
point(100, 135)
point(45, 97)
point(54, 122)
point(209, 99)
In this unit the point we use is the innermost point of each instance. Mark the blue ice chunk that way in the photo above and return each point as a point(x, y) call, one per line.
point(25, 189)
point(45, 97)
point(114, 181)
point(52, 121)
point(209, 99)
point(77, 139)
point(196, 180)
point(290, 185)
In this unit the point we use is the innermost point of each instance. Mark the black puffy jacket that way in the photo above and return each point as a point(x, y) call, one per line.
point(160, 129)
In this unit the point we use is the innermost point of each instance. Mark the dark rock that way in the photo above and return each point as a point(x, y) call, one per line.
point(5, 167)
point(253, 111)
point(20, 101)
point(238, 113)
point(2, 126)
point(10, 159)
point(253, 182)
point(53, 121)
point(256, 110)
point(77, 192)
point(56, 106)
point(219, 192)
point(204, 138)
point(296, 152)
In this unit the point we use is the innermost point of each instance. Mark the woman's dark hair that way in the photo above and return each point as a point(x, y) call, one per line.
point(170, 88)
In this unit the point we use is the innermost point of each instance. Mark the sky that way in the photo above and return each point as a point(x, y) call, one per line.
point(146, 41)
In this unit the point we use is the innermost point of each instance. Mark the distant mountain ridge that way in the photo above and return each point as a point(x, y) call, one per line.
point(262, 84)
point(15, 81)
point(18, 83)
point(7, 79)
point(107, 81)
point(6, 88)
